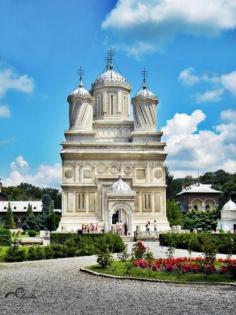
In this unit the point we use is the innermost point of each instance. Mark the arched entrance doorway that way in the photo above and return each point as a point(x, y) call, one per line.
point(120, 219)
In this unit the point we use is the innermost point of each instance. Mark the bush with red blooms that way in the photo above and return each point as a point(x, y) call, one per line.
point(139, 250)
point(186, 265)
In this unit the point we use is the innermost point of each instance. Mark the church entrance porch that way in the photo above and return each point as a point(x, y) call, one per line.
point(120, 207)
point(120, 219)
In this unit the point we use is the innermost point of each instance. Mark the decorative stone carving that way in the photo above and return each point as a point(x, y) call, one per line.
point(101, 168)
point(68, 173)
point(114, 169)
point(128, 170)
point(158, 173)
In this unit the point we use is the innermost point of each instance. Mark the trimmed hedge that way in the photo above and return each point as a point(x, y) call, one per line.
point(71, 245)
point(89, 243)
point(225, 243)
point(5, 237)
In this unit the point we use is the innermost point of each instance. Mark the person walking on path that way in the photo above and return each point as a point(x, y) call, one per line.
point(148, 228)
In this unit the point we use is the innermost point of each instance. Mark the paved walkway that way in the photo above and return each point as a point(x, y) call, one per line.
point(60, 288)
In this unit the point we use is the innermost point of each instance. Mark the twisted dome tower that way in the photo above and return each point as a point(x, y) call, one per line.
point(80, 108)
point(145, 103)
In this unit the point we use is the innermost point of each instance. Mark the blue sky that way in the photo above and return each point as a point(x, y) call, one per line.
point(188, 48)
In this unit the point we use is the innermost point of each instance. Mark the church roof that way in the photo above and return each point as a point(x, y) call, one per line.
point(110, 75)
point(145, 92)
point(21, 206)
point(198, 188)
point(120, 187)
point(230, 205)
point(80, 91)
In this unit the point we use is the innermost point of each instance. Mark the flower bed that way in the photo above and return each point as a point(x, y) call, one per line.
point(189, 265)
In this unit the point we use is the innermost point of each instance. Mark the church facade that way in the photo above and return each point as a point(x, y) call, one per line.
point(112, 166)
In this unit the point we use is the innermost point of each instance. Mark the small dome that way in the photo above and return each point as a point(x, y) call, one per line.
point(230, 205)
point(120, 187)
point(145, 92)
point(80, 91)
point(110, 76)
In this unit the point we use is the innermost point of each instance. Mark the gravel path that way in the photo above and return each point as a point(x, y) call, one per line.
point(60, 288)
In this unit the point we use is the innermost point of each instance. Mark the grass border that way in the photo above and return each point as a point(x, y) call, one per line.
point(99, 274)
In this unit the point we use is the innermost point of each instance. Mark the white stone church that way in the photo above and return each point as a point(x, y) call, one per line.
point(113, 167)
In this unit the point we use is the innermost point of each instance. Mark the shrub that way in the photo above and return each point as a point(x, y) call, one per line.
point(105, 259)
point(32, 233)
point(138, 250)
point(209, 249)
point(89, 243)
point(124, 255)
point(225, 243)
point(31, 255)
point(48, 252)
point(5, 237)
point(15, 254)
point(232, 270)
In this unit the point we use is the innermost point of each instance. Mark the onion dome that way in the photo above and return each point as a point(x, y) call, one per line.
point(80, 92)
point(145, 92)
point(110, 76)
point(120, 187)
point(230, 205)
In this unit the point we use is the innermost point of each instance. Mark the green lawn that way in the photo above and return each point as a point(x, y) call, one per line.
point(119, 268)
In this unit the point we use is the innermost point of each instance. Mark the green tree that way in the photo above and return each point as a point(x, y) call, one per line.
point(30, 222)
point(29, 209)
point(10, 222)
point(173, 185)
point(52, 221)
point(205, 220)
point(174, 213)
point(26, 191)
point(46, 204)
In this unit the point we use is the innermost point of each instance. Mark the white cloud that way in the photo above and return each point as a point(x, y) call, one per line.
point(44, 176)
point(228, 115)
point(219, 83)
point(210, 96)
point(188, 77)
point(229, 82)
point(191, 148)
point(20, 162)
point(10, 80)
point(136, 23)
point(4, 111)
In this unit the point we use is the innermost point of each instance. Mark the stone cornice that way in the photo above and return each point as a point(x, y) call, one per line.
point(124, 146)
point(101, 155)
point(112, 84)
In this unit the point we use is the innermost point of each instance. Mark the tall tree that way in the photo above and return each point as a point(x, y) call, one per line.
point(29, 209)
point(174, 214)
point(46, 204)
point(30, 222)
point(10, 222)
point(52, 220)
